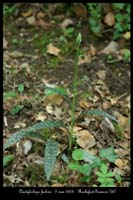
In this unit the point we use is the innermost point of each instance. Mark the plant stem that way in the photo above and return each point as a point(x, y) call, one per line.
point(74, 94)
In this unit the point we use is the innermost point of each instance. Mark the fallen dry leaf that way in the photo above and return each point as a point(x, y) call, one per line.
point(86, 58)
point(122, 120)
point(112, 47)
point(127, 35)
point(119, 163)
point(84, 104)
point(58, 112)
point(40, 15)
point(28, 13)
point(49, 109)
point(16, 54)
point(5, 43)
point(53, 100)
point(51, 49)
point(66, 23)
point(45, 25)
point(80, 10)
point(31, 20)
point(101, 74)
point(109, 19)
point(121, 152)
point(19, 125)
point(27, 145)
point(93, 50)
point(106, 105)
point(57, 185)
point(40, 116)
point(84, 139)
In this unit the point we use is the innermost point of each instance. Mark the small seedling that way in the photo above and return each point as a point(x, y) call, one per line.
point(85, 163)
point(105, 177)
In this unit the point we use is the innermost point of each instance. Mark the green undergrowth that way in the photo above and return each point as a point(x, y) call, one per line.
point(41, 131)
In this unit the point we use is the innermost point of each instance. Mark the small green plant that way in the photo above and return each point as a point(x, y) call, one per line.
point(7, 159)
point(9, 10)
point(121, 13)
point(51, 146)
point(105, 177)
point(21, 88)
point(126, 54)
point(9, 95)
point(95, 11)
point(16, 109)
point(85, 163)
point(122, 17)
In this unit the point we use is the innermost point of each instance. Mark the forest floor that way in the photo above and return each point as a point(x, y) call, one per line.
point(39, 48)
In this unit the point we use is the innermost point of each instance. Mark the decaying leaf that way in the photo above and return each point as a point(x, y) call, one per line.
point(93, 50)
point(119, 163)
point(51, 49)
point(101, 74)
point(19, 125)
point(122, 120)
point(85, 59)
point(40, 116)
point(49, 109)
point(127, 35)
point(109, 19)
point(45, 25)
point(106, 105)
point(84, 104)
point(66, 23)
point(53, 100)
point(31, 20)
point(27, 145)
point(28, 13)
point(80, 10)
point(41, 15)
point(58, 112)
point(112, 47)
point(5, 43)
point(84, 139)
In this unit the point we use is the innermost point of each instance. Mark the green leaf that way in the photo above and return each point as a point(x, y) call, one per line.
point(78, 39)
point(119, 6)
point(85, 169)
point(100, 174)
point(21, 87)
point(118, 178)
point(84, 179)
point(109, 154)
point(88, 157)
point(9, 95)
point(73, 166)
point(50, 155)
point(78, 154)
point(7, 159)
point(110, 174)
point(16, 109)
point(104, 168)
point(106, 181)
point(16, 137)
point(55, 90)
point(99, 113)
